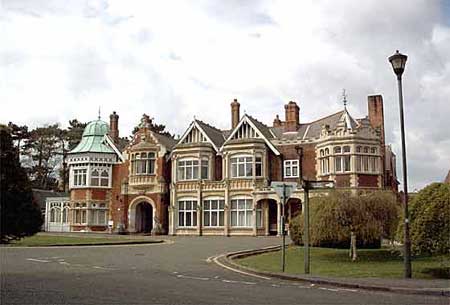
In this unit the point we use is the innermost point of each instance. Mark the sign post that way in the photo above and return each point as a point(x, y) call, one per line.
point(284, 191)
point(310, 185)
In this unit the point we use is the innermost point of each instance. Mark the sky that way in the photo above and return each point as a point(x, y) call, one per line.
point(176, 60)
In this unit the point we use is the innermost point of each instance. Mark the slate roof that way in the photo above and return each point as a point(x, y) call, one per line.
point(40, 196)
point(168, 142)
point(261, 126)
point(213, 133)
point(310, 130)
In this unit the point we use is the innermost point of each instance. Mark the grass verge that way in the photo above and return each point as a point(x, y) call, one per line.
point(381, 263)
point(55, 240)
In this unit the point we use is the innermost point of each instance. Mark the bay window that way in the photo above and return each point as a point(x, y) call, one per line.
point(143, 163)
point(192, 169)
point(213, 212)
point(342, 159)
point(79, 177)
point(242, 166)
point(187, 213)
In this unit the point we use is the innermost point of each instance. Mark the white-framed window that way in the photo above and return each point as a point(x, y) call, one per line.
point(192, 169)
point(290, 168)
point(55, 214)
point(325, 161)
point(143, 163)
point(367, 160)
point(100, 177)
point(213, 212)
point(187, 213)
point(241, 212)
point(79, 176)
point(342, 159)
point(98, 216)
point(241, 166)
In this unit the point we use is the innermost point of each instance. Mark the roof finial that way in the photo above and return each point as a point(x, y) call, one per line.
point(99, 113)
point(344, 98)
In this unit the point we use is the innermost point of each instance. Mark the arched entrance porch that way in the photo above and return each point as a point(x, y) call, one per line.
point(270, 215)
point(141, 215)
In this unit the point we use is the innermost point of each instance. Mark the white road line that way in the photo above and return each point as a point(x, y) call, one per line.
point(209, 259)
point(193, 277)
point(215, 259)
point(329, 289)
point(64, 263)
point(38, 260)
point(350, 290)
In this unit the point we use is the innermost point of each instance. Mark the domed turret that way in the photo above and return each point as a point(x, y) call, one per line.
point(93, 138)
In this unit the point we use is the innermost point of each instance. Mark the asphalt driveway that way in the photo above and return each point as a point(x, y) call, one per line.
point(171, 273)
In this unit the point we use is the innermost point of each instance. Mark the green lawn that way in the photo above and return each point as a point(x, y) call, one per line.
point(381, 263)
point(58, 240)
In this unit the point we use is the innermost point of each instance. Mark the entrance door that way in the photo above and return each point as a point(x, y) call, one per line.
point(144, 218)
point(273, 229)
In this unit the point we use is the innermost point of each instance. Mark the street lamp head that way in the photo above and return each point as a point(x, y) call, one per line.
point(398, 62)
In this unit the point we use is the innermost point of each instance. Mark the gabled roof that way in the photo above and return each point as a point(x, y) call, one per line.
point(213, 135)
point(262, 129)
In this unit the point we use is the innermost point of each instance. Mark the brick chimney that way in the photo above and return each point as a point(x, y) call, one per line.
point(376, 114)
point(114, 127)
point(292, 121)
point(277, 122)
point(235, 116)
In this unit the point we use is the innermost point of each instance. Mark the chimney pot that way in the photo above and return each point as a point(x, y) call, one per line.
point(235, 113)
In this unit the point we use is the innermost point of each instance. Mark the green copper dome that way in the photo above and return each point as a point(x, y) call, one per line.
point(96, 128)
point(93, 139)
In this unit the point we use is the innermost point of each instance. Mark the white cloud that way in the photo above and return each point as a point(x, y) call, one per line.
point(176, 59)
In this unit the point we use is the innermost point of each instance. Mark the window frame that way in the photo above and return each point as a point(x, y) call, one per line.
point(290, 165)
point(209, 211)
point(237, 210)
point(192, 212)
point(246, 161)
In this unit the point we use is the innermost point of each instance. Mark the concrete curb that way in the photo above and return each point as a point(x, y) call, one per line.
point(89, 244)
point(227, 259)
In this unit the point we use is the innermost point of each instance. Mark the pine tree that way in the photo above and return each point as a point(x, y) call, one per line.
point(20, 217)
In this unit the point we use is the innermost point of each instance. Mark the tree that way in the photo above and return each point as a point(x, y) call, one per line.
point(18, 134)
point(42, 149)
point(342, 219)
point(20, 217)
point(430, 220)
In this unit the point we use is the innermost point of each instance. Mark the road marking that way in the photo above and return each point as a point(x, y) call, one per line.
point(209, 259)
point(329, 289)
point(64, 263)
point(346, 289)
point(193, 277)
point(215, 259)
point(103, 268)
point(38, 260)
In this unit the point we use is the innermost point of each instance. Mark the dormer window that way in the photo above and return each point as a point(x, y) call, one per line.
point(143, 163)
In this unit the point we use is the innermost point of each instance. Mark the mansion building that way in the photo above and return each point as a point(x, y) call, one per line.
point(217, 182)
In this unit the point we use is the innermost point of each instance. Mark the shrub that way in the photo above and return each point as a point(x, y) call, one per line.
point(430, 220)
point(371, 216)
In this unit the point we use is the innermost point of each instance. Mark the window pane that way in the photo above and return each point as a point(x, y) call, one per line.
point(241, 170)
point(214, 204)
point(195, 173)
point(221, 216)
point(234, 170)
point(249, 170)
point(206, 218)
point(194, 219)
point(249, 221)
point(241, 218)
point(233, 218)
point(288, 171)
point(189, 172)
point(241, 204)
point(233, 204)
point(221, 204)
point(188, 219)
point(214, 219)
point(181, 219)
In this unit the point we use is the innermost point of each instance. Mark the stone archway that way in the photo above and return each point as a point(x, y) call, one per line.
point(141, 215)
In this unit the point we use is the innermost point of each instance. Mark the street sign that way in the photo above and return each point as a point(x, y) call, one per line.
point(314, 185)
point(284, 188)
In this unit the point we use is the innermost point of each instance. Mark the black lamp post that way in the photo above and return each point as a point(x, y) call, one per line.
point(398, 62)
point(305, 211)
